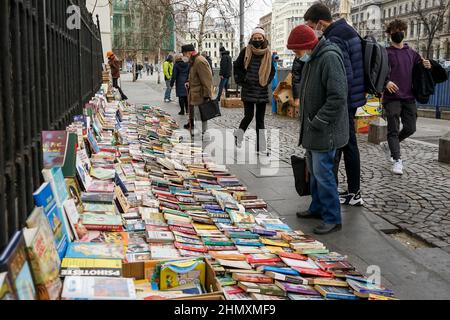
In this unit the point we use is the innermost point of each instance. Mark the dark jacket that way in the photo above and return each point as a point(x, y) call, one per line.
point(180, 77)
point(252, 91)
point(208, 58)
point(342, 34)
point(115, 68)
point(323, 100)
point(297, 68)
point(226, 66)
point(422, 83)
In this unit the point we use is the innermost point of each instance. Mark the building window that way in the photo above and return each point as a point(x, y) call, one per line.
point(400, 10)
point(406, 8)
point(389, 12)
point(411, 29)
point(215, 45)
point(395, 11)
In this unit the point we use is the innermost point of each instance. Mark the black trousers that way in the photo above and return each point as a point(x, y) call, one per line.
point(352, 159)
point(116, 85)
point(249, 113)
point(183, 104)
point(395, 110)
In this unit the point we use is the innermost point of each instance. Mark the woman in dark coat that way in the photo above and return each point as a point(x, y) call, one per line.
point(180, 77)
point(254, 71)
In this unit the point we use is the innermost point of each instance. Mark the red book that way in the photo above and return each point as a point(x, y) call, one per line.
point(294, 256)
point(255, 278)
point(54, 148)
point(191, 247)
point(96, 227)
point(313, 272)
point(183, 230)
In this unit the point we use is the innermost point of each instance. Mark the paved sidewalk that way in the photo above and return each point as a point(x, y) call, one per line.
point(421, 273)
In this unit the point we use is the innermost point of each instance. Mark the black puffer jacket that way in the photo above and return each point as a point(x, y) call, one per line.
point(297, 68)
point(252, 91)
point(226, 65)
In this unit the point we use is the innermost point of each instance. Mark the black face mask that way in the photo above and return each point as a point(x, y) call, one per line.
point(398, 37)
point(257, 44)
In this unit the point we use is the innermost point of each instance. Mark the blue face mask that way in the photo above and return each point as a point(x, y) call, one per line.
point(306, 58)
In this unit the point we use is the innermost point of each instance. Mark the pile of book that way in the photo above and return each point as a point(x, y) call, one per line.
point(122, 187)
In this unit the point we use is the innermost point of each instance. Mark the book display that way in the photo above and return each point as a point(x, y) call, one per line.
point(139, 213)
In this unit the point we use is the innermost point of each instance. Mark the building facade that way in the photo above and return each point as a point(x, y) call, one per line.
point(286, 15)
point(102, 8)
point(372, 17)
point(217, 34)
point(265, 22)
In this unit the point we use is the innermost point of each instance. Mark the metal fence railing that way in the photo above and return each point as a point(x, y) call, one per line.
point(48, 71)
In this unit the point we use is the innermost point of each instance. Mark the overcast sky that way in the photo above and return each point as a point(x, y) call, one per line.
point(256, 11)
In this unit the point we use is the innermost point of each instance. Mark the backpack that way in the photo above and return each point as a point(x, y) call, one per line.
point(376, 65)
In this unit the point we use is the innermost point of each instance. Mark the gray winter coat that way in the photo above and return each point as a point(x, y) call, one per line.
point(323, 100)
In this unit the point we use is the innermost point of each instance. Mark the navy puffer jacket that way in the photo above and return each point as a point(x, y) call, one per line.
point(342, 34)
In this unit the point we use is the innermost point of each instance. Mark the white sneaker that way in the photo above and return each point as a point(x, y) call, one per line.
point(398, 167)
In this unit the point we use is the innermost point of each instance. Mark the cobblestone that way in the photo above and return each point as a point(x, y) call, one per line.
point(418, 200)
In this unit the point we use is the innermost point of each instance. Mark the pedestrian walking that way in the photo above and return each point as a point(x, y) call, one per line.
point(208, 58)
point(115, 72)
point(398, 99)
point(318, 17)
point(199, 84)
point(152, 69)
point(254, 71)
point(179, 79)
point(168, 70)
point(323, 121)
point(226, 68)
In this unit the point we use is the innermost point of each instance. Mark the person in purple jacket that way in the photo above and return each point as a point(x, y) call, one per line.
point(398, 98)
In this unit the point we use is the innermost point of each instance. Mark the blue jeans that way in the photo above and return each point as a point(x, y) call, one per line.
point(325, 196)
point(168, 93)
point(223, 84)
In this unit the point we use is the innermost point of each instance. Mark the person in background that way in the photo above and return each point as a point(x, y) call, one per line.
point(168, 70)
point(208, 58)
point(179, 79)
point(199, 84)
point(115, 72)
point(398, 98)
point(254, 71)
point(297, 68)
point(226, 67)
point(318, 17)
point(152, 69)
point(323, 121)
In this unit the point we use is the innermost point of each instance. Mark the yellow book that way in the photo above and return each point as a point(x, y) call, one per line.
point(276, 243)
point(199, 226)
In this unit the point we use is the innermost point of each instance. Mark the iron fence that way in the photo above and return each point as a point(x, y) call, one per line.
point(48, 71)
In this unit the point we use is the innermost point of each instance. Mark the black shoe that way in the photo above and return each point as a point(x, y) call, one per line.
point(181, 113)
point(307, 215)
point(187, 126)
point(326, 228)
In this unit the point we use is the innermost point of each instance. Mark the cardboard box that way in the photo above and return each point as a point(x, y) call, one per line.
point(283, 92)
point(281, 108)
point(144, 270)
point(232, 103)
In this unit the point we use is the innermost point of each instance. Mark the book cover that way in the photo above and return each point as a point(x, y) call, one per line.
point(6, 290)
point(287, 278)
point(98, 288)
point(285, 271)
point(44, 262)
point(235, 264)
point(91, 267)
point(75, 193)
point(296, 296)
point(365, 289)
point(53, 148)
point(297, 288)
point(339, 293)
point(56, 179)
point(191, 247)
point(256, 278)
point(14, 261)
point(313, 272)
point(90, 250)
point(70, 156)
point(160, 236)
point(102, 222)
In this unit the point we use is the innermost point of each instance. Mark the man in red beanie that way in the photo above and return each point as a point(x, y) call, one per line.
point(324, 124)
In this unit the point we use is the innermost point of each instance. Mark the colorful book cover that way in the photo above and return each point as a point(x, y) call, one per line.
point(45, 262)
point(102, 222)
point(339, 293)
point(53, 148)
point(89, 250)
point(297, 288)
point(6, 290)
point(178, 273)
point(14, 261)
point(91, 267)
point(75, 193)
point(56, 179)
point(44, 198)
point(98, 288)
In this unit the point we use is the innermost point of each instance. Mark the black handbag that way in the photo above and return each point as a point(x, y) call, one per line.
point(301, 175)
point(209, 110)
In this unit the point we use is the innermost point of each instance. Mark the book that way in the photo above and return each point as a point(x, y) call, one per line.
point(91, 267)
point(299, 263)
point(70, 156)
point(297, 288)
point(73, 216)
point(262, 288)
point(327, 282)
point(191, 247)
point(235, 264)
point(53, 148)
point(102, 222)
point(56, 179)
point(266, 297)
point(256, 278)
point(90, 250)
point(313, 272)
point(292, 255)
point(160, 236)
point(335, 266)
point(262, 258)
point(6, 290)
point(44, 198)
point(98, 288)
point(340, 293)
point(296, 296)
point(159, 252)
point(101, 186)
point(276, 243)
point(44, 263)
point(75, 193)
point(13, 260)
point(287, 278)
point(363, 290)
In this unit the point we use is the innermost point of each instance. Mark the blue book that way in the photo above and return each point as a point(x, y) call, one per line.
point(286, 271)
point(43, 197)
point(340, 293)
point(243, 242)
point(278, 227)
point(91, 250)
point(56, 179)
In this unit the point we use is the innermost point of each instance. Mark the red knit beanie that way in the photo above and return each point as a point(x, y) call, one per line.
point(302, 37)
